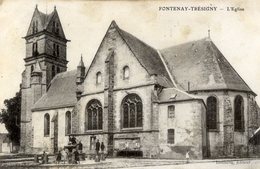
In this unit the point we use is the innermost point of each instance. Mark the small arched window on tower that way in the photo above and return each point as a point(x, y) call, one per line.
point(52, 71)
point(57, 29)
point(126, 72)
point(211, 115)
point(35, 27)
point(68, 123)
point(98, 78)
point(35, 49)
point(46, 125)
point(239, 113)
point(58, 50)
point(53, 26)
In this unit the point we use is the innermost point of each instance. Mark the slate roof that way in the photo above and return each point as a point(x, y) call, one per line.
point(61, 93)
point(148, 57)
point(173, 95)
point(44, 20)
point(201, 64)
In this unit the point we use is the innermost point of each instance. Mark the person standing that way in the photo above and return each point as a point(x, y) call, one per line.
point(102, 147)
point(58, 158)
point(187, 156)
point(80, 147)
point(102, 151)
point(97, 146)
point(97, 151)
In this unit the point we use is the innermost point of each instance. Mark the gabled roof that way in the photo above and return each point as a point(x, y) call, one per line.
point(45, 20)
point(203, 66)
point(61, 93)
point(146, 55)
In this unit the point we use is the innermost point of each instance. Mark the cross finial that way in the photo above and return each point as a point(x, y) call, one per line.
point(81, 57)
point(208, 33)
point(36, 6)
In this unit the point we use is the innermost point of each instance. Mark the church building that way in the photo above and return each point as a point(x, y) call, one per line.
point(138, 100)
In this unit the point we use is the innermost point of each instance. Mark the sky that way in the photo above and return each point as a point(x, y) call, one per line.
point(236, 34)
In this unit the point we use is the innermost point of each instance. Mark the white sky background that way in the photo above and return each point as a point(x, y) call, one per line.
point(236, 34)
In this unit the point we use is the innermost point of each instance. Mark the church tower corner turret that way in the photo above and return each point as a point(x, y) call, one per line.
point(45, 57)
point(80, 77)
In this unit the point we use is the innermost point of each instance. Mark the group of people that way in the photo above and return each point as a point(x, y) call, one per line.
point(71, 152)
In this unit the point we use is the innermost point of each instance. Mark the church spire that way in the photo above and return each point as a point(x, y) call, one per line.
point(81, 63)
point(80, 71)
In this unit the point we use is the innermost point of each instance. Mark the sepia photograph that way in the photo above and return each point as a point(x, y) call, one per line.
point(129, 84)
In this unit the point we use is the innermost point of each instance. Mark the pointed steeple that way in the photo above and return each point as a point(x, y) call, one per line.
point(80, 71)
point(81, 63)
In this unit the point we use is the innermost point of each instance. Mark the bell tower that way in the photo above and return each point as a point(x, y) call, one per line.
point(45, 57)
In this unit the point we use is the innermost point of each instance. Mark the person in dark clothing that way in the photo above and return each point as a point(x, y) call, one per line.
point(80, 147)
point(102, 151)
point(70, 140)
point(73, 140)
point(58, 158)
point(102, 147)
point(44, 158)
point(97, 146)
point(76, 154)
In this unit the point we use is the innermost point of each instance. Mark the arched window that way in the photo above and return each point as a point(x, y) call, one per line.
point(132, 111)
point(46, 125)
point(52, 71)
point(35, 49)
point(57, 30)
point(239, 113)
point(58, 50)
point(98, 78)
point(126, 72)
point(68, 122)
point(53, 26)
point(94, 115)
point(54, 49)
point(35, 27)
point(212, 108)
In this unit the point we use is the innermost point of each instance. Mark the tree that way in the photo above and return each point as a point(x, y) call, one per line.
point(10, 116)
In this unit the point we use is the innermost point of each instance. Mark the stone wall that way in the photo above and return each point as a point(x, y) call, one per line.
point(188, 124)
point(45, 143)
point(225, 142)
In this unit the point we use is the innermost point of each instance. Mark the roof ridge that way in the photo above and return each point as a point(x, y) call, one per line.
point(185, 43)
point(137, 39)
point(128, 37)
point(120, 33)
point(215, 47)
